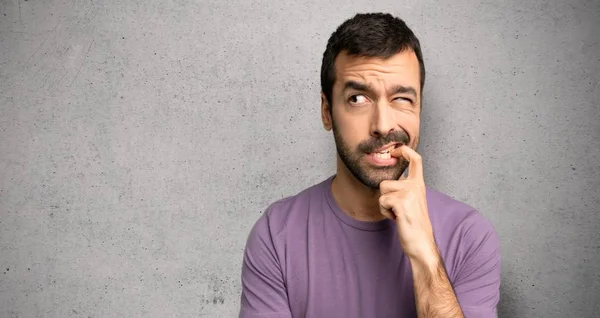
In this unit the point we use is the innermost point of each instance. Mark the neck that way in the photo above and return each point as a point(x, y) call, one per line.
point(353, 197)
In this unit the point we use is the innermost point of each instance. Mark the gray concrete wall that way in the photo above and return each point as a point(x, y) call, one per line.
point(139, 142)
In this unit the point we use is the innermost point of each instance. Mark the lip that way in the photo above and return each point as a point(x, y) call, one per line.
point(394, 144)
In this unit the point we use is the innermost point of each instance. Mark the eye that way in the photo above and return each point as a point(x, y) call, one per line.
point(357, 99)
point(403, 100)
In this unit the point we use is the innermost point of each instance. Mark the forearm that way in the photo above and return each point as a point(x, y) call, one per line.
point(434, 295)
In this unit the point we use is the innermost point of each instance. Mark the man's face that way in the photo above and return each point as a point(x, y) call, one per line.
point(376, 105)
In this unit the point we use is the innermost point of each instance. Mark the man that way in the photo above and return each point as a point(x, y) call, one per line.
point(372, 240)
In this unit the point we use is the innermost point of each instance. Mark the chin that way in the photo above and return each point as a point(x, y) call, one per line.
point(373, 178)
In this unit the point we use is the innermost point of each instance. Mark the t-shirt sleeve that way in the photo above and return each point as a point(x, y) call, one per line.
point(263, 287)
point(477, 284)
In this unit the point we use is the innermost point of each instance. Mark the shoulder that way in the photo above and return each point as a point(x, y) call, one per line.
point(292, 209)
point(463, 234)
point(450, 214)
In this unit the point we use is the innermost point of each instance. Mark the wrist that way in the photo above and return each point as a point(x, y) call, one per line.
point(427, 261)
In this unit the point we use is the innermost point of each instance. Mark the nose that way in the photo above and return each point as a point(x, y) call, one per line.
point(383, 121)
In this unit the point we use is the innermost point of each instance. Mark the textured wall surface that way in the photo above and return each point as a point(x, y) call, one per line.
point(140, 141)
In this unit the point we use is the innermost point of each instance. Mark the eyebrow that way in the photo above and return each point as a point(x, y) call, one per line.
point(396, 89)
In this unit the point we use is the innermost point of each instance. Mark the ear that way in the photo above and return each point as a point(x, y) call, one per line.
point(325, 112)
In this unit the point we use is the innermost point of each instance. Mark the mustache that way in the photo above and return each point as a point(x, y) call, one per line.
point(371, 145)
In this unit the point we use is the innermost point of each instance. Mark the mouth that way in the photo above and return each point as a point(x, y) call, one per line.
point(384, 153)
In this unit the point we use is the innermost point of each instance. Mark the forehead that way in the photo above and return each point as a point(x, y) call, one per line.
point(399, 69)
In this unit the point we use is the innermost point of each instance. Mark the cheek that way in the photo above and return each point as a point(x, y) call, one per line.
point(351, 128)
point(411, 124)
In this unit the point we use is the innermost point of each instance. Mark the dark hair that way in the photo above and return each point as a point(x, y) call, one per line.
point(368, 35)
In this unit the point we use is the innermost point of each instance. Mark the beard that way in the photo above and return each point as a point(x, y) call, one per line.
point(371, 176)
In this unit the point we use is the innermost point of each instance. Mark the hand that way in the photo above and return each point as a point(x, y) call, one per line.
point(405, 202)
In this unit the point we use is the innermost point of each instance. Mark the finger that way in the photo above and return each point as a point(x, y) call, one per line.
point(387, 186)
point(388, 215)
point(391, 204)
point(385, 208)
point(415, 164)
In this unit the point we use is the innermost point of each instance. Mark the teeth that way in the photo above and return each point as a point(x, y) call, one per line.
point(384, 156)
point(387, 150)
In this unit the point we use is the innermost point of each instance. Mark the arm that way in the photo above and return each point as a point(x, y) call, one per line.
point(263, 287)
point(434, 295)
point(475, 291)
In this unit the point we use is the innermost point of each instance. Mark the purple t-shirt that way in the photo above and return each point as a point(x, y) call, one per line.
point(306, 258)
